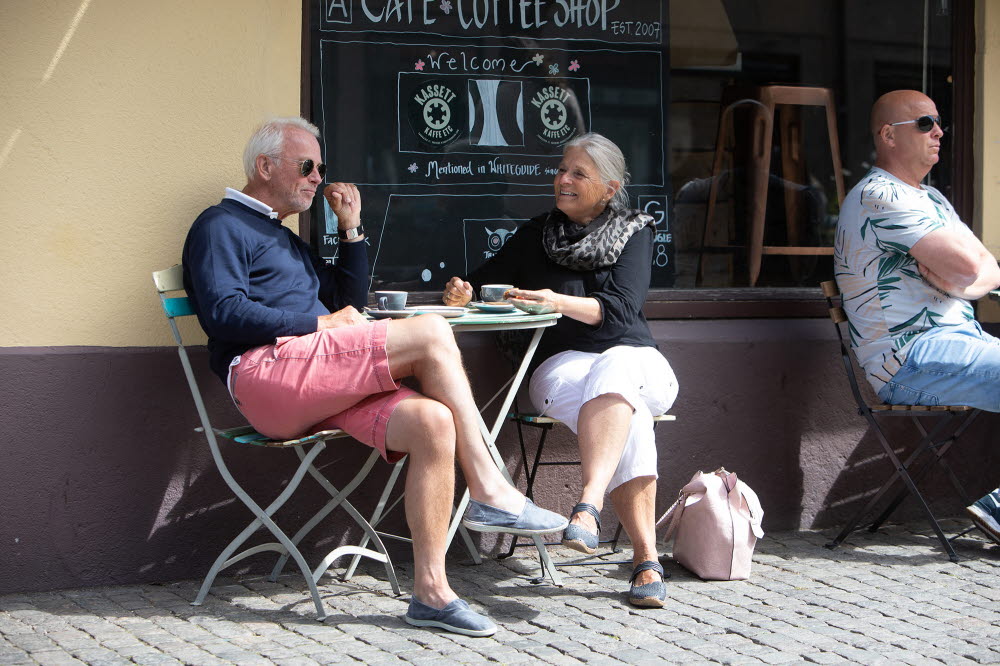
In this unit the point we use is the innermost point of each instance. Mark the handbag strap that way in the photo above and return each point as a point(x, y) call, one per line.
point(672, 516)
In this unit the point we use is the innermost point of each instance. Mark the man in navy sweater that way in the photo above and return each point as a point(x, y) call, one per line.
point(286, 336)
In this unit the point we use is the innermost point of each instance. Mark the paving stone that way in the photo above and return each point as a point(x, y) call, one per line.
point(883, 598)
point(12, 655)
point(56, 659)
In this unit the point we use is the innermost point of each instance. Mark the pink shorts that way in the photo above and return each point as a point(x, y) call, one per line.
point(336, 378)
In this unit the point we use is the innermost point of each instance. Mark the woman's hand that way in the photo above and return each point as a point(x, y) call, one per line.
point(457, 292)
point(544, 300)
point(581, 308)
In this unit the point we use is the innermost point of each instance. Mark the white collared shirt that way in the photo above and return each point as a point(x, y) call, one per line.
point(248, 200)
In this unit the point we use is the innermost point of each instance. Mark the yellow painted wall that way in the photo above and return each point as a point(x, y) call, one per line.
point(987, 138)
point(120, 120)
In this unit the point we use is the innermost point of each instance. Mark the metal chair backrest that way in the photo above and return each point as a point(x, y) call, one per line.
point(175, 307)
point(838, 317)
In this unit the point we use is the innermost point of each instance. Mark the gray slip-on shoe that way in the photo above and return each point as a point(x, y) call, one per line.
point(532, 520)
point(650, 595)
point(456, 617)
point(578, 538)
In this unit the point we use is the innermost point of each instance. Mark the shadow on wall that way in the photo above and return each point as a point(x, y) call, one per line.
point(866, 468)
point(125, 490)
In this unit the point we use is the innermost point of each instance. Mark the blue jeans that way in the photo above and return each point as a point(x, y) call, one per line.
point(950, 365)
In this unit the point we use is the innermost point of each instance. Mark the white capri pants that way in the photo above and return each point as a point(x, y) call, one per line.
point(565, 382)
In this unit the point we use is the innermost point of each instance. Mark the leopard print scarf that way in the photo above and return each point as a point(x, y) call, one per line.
point(596, 245)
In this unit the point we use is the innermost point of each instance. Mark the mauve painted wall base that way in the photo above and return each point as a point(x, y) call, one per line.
point(105, 480)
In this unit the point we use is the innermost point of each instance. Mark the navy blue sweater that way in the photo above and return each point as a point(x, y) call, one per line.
point(252, 280)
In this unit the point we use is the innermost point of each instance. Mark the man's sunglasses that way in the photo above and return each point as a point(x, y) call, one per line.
point(924, 123)
point(306, 167)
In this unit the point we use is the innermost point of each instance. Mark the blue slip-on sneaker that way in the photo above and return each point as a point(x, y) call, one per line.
point(532, 520)
point(578, 538)
point(456, 617)
point(650, 595)
point(985, 512)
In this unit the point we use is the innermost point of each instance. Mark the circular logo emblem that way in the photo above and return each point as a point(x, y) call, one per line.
point(555, 120)
point(434, 115)
point(437, 113)
point(553, 114)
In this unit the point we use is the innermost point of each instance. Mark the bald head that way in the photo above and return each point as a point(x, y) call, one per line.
point(901, 147)
point(895, 106)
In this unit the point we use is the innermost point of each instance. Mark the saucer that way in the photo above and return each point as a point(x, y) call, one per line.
point(492, 308)
point(388, 314)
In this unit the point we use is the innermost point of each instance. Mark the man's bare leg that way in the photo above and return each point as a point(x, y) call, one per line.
point(424, 347)
point(424, 430)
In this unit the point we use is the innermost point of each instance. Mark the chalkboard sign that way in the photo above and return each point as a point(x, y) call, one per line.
point(451, 116)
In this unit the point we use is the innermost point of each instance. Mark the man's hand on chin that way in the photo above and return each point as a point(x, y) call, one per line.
point(348, 316)
point(345, 202)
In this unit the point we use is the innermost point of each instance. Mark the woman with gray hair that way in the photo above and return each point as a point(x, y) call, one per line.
point(598, 370)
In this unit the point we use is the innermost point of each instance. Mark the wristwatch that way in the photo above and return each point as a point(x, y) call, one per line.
point(350, 234)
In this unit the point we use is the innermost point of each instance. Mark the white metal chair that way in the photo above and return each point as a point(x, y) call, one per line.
point(307, 449)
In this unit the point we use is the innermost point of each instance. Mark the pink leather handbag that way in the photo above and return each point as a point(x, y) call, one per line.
point(715, 524)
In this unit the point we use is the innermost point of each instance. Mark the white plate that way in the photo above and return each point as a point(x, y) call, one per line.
point(389, 314)
point(492, 308)
point(448, 311)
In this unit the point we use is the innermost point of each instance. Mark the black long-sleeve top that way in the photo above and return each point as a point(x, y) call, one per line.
point(621, 290)
point(251, 280)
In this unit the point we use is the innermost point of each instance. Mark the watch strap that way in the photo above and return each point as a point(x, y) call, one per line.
point(351, 234)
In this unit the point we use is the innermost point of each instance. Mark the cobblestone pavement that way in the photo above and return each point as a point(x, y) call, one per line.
point(886, 598)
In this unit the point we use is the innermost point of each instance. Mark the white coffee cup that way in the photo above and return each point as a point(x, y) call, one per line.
point(492, 293)
point(390, 300)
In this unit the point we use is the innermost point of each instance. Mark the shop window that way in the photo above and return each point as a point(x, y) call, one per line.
point(442, 192)
point(855, 50)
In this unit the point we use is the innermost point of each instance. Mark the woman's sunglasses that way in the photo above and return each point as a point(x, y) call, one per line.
point(924, 123)
point(306, 168)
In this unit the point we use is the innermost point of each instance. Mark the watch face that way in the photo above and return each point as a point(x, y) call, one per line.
point(351, 234)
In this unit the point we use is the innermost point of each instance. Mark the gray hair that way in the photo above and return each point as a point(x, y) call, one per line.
point(269, 139)
point(608, 159)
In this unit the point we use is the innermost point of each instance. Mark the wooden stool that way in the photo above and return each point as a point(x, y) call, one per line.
point(763, 100)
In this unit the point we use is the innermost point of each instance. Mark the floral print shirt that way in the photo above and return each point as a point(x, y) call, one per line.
point(887, 301)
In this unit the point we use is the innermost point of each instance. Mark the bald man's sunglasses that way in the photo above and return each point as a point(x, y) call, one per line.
point(924, 123)
point(306, 168)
